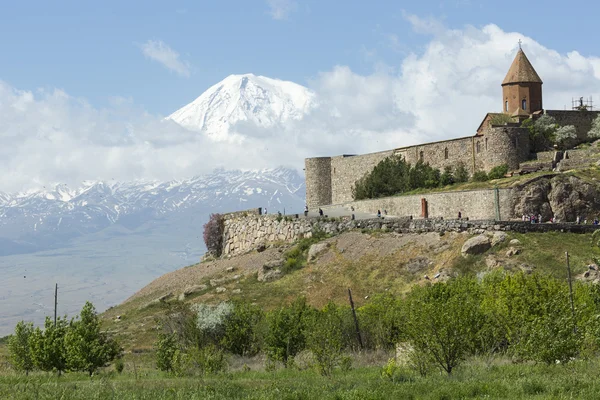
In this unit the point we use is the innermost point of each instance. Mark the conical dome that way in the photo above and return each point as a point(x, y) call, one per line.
point(521, 71)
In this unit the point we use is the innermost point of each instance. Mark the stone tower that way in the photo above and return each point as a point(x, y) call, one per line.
point(521, 88)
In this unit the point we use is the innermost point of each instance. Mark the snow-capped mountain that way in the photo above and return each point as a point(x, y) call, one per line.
point(102, 241)
point(261, 101)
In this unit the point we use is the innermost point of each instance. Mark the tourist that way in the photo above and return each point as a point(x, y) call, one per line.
point(384, 212)
point(539, 218)
point(459, 215)
point(265, 210)
point(306, 211)
point(378, 213)
point(578, 220)
point(523, 218)
point(320, 212)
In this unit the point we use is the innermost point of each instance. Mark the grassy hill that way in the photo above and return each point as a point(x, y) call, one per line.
point(368, 263)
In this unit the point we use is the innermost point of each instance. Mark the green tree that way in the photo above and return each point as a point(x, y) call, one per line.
point(325, 337)
point(461, 174)
point(21, 356)
point(445, 321)
point(479, 176)
point(381, 322)
point(498, 172)
point(447, 177)
point(285, 335)
point(48, 346)
point(87, 347)
point(564, 134)
point(166, 351)
point(594, 132)
point(242, 333)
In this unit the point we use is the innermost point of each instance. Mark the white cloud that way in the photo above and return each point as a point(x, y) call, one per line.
point(160, 52)
point(441, 93)
point(281, 9)
point(427, 25)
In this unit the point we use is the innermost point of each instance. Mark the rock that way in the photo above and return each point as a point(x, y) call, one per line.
point(221, 289)
point(498, 237)
point(316, 249)
point(230, 269)
point(236, 291)
point(190, 290)
point(513, 251)
point(528, 269)
point(491, 262)
point(165, 297)
point(236, 277)
point(476, 245)
point(270, 271)
point(261, 247)
point(515, 242)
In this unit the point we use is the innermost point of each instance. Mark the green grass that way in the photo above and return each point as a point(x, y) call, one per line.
point(476, 380)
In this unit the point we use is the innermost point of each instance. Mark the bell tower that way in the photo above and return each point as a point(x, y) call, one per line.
point(521, 88)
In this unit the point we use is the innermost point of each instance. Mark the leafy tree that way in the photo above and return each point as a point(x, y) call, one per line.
point(213, 234)
point(285, 335)
point(87, 347)
point(501, 119)
point(48, 346)
point(21, 356)
point(241, 327)
point(498, 172)
point(325, 339)
point(541, 131)
point(445, 321)
point(564, 134)
point(461, 174)
point(447, 177)
point(166, 350)
point(594, 132)
point(382, 321)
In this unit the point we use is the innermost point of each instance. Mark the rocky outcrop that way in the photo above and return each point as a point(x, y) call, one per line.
point(315, 250)
point(476, 245)
point(270, 271)
point(562, 197)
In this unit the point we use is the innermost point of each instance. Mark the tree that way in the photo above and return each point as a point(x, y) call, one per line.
point(461, 174)
point(87, 347)
point(285, 336)
point(166, 350)
point(48, 346)
point(213, 234)
point(324, 337)
point(241, 326)
point(447, 178)
point(21, 356)
point(445, 321)
point(541, 131)
point(480, 176)
point(564, 134)
point(498, 172)
point(594, 132)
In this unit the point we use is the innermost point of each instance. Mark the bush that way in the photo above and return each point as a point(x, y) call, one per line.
point(461, 174)
point(166, 349)
point(480, 176)
point(285, 336)
point(21, 356)
point(324, 338)
point(594, 132)
point(209, 360)
point(213, 234)
point(498, 172)
point(564, 135)
point(241, 329)
point(119, 365)
point(447, 177)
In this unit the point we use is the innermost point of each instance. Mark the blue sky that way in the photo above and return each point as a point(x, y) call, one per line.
point(84, 85)
point(93, 49)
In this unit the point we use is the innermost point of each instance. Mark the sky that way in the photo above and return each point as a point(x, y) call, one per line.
point(84, 85)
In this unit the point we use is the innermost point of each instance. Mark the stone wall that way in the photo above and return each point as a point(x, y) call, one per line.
point(247, 233)
point(473, 204)
point(317, 173)
point(582, 120)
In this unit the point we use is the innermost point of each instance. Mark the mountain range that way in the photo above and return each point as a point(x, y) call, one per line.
point(103, 240)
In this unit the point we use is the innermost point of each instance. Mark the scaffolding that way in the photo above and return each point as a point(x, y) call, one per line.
point(582, 104)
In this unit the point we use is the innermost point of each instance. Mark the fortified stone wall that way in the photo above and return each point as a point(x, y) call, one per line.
point(318, 181)
point(442, 154)
point(505, 145)
point(581, 120)
point(247, 233)
point(473, 204)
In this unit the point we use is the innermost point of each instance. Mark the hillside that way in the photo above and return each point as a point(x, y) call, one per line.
point(369, 263)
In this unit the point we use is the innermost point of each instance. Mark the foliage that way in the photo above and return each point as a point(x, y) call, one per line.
point(564, 134)
point(210, 322)
point(119, 365)
point(394, 175)
point(209, 359)
point(498, 172)
point(447, 177)
point(285, 335)
point(501, 119)
point(461, 174)
point(166, 352)
point(241, 329)
point(594, 132)
point(324, 338)
point(445, 321)
point(296, 257)
point(213, 234)
point(541, 131)
point(480, 176)
point(21, 356)
point(48, 346)
point(87, 347)
point(381, 322)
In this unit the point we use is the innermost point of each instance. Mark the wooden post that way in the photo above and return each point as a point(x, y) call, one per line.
point(360, 343)
point(571, 292)
point(55, 301)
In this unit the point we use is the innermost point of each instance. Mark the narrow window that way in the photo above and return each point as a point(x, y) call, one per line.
point(515, 142)
point(524, 104)
point(421, 155)
point(446, 153)
point(506, 105)
point(486, 144)
point(478, 147)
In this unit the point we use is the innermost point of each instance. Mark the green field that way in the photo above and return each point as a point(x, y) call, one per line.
point(476, 380)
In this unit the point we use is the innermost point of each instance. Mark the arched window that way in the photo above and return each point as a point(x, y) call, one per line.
point(478, 147)
point(524, 104)
point(506, 105)
point(446, 153)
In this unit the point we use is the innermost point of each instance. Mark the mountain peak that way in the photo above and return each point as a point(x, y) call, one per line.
point(262, 101)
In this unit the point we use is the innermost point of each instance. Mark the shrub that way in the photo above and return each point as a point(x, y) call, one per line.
point(460, 173)
point(498, 172)
point(209, 360)
point(241, 329)
point(166, 349)
point(594, 132)
point(447, 178)
point(480, 176)
point(564, 134)
point(119, 365)
point(211, 322)
point(21, 356)
point(285, 336)
point(501, 119)
point(324, 338)
point(213, 234)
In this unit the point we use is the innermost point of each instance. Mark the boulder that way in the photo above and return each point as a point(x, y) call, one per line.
point(221, 290)
point(498, 237)
point(316, 249)
point(515, 242)
point(513, 251)
point(476, 245)
point(190, 290)
point(270, 271)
